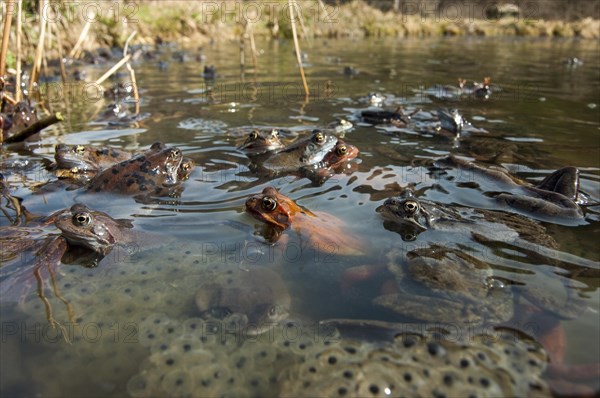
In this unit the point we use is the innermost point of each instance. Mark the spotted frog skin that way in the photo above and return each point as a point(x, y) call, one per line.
point(156, 171)
point(81, 158)
point(307, 152)
point(261, 142)
point(93, 229)
point(322, 230)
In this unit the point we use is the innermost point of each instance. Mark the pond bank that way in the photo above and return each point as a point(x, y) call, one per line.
point(196, 23)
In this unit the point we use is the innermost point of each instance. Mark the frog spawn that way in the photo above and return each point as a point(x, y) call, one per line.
point(195, 358)
point(418, 365)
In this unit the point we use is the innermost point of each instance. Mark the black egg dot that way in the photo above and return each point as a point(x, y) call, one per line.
point(408, 343)
point(306, 383)
point(464, 363)
point(532, 362)
point(286, 343)
point(350, 350)
point(342, 391)
point(407, 377)
point(470, 380)
point(254, 382)
point(312, 369)
point(481, 356)
point(127, 290)
point(163, 347)
point(188, 252)
point(374, 389)
point(302, 346)
point(170, 361)
point(332, 360)
point(178, 382)
point(151, 336)
point(484, 382)
point(157, 321)
point(263, 354)
point(448, 380)
point(187, 347)
point(433, 348)
point(426, 372)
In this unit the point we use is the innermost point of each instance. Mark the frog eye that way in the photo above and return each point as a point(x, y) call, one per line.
point(80, 149)
point(318, 138)
point(82, 219)
point(253, 135)
point(411, 207)
point(341, 150)
point(268, 203)
point(175, 153)
point(272, 311)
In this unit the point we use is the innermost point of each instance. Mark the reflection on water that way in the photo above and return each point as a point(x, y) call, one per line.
point(138, 328)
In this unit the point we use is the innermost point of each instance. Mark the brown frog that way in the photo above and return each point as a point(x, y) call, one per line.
point(306, 152)
point(261, 142)
point(93, 230)
point(323, 231)
point(257, 295)
point(333, 162)
point(157, 171)
point(556, 198)
point(82, 158)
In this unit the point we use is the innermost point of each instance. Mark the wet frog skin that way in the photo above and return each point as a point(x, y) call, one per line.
point(323, 231)
point(156, 171)
point(307, 152)
point(81, 158)
point(261, 142)
point(93, 229)
point(556, 198)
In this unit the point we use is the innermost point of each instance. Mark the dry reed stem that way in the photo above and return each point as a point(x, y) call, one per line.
point(18, 92)
point(291, 4)
point(84, 32)
point(40, 48)
point(10, 5)
point(136, 94)
point(112, 70)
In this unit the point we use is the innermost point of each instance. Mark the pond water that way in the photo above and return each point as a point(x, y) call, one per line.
point(139, 301)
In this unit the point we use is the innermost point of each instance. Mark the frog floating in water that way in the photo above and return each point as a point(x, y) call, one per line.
point(258, 295)
point(157, 171)
point(323, 231)
point(261, 142)
point(307, 152)
point(80, 226)
point(556, 198)
point(81, 158)
point(333, 162)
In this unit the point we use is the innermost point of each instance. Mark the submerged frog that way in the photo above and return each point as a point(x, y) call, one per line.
point(81, 158)
point(450, 270)
point(13, 204)
point(398, 117)
point(556, 197)
point(258, 295)
point(157, 171)
point(261, 142)
point(323, 231)
point(307, 152)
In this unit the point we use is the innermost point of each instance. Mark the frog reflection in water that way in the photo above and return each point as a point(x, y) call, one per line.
point(93, 230)
point(256, 298)
point(157, 171)
point(323, 231)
